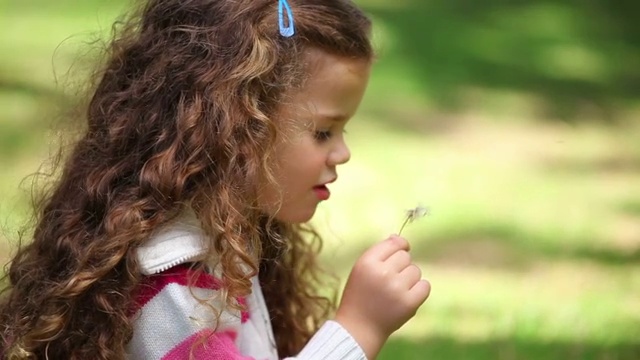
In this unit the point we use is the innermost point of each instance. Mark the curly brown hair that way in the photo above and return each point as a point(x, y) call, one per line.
point(183, 114)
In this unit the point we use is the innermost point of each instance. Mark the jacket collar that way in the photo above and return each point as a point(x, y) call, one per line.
point(176, 243)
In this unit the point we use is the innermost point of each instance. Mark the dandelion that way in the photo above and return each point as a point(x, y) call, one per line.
point(414, 214)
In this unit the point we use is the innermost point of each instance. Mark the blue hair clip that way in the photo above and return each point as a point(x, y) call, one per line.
point(287, 31)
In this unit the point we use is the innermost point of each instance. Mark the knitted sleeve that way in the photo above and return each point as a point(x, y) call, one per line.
point(331, 342)
point(170, 324)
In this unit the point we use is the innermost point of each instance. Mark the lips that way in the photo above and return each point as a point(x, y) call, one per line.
point(322, 192)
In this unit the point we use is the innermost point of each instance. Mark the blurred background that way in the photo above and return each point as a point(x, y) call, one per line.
point(516, 122)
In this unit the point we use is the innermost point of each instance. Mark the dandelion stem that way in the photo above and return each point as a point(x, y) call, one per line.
point(403, 224)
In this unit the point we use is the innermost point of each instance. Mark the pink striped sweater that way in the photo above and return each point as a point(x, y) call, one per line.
point(170, 324)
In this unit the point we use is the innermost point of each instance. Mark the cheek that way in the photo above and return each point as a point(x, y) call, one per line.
point(285, 171)
point(298, 166)
point(301, 157)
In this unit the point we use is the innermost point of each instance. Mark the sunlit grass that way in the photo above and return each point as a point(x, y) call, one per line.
point(527, 237)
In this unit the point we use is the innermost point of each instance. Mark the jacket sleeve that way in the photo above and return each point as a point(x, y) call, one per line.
point(170, 324)
point(331, 342)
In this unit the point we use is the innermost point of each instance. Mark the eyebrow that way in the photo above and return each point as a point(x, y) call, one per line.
point(335, 117)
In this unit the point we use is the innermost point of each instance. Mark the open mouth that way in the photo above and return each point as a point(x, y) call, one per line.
point(322, 192)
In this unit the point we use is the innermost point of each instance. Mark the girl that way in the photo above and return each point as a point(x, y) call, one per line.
point(176, 230)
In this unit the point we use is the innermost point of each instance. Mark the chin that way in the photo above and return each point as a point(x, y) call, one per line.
point(296, 217)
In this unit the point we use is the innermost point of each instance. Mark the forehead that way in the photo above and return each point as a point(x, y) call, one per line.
point(334, 85)
point(324, 69)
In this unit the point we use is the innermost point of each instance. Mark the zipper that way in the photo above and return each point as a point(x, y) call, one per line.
point(178, 261)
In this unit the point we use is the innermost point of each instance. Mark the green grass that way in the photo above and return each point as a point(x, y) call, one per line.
point(533, 244)
point(532, 247)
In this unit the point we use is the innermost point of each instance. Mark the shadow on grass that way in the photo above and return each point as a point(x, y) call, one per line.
point(507, 349)
point(616, 165)
point(511, 248)
point(21, 86)
point(576, 56)
point(23, 130)
point(497, 246)
point(631, 207)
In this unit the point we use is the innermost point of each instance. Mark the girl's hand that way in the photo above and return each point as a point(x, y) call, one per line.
point(383, 292)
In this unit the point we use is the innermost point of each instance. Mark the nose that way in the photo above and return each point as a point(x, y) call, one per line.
point(340, 154)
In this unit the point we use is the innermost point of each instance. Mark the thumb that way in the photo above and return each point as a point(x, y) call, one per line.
point(384, 249)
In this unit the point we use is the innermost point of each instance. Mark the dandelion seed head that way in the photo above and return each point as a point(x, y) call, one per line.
point(417, 212)
point(413, 214)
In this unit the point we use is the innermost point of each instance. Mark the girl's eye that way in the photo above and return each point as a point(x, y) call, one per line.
point(322, 135)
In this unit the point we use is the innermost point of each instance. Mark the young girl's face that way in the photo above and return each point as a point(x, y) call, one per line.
point(312, 144)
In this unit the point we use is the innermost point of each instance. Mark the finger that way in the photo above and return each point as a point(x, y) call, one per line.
point(384, 249)
point(420, 292)
point(404, 242)
point(399, 261)
point(410, 276)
